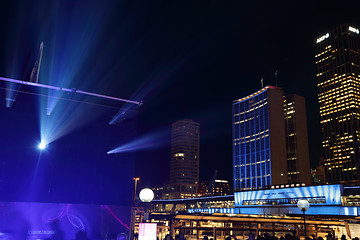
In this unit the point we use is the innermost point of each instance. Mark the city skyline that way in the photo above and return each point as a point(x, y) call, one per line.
point(188, 60)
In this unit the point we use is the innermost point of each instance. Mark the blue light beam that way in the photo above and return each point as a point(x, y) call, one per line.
point(148, 141)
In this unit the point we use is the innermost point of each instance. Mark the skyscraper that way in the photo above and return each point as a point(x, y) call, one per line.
point(270, 145)
point(338, 63)
point(184, 160)
point(259, 146)
point(297, 146)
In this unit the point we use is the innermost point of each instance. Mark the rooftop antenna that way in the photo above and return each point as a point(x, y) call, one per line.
point(262, 82)
point(276, 78)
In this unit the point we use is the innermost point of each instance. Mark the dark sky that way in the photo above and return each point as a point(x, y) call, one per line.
point(184, 59)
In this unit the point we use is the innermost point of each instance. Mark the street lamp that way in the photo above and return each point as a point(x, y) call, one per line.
point(303, 205)
point(146, 195)
point(135, 185)
point(133, 209)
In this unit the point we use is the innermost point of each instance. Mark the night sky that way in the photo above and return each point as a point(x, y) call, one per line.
point(183, 59)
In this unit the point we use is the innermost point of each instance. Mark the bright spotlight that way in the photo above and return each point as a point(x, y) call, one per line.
point(42, 145)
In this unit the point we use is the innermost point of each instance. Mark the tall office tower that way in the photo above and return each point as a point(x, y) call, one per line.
point(297, 152)
point(338, 61)
point(259, 145)
point(184, 163)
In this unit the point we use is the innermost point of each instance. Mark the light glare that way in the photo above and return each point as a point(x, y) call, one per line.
point(42, 145)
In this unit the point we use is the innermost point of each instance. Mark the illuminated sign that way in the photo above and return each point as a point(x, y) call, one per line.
point(220, 181)
point(323, 194)
point(213, 210)
point(352, 29)
point(322, 38)
point(147, 231)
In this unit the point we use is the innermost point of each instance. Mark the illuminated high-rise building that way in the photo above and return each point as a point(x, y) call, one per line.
point(338, 63)
point(297, 146)
point(270, 145)
point(259, 145)
point(184, 160)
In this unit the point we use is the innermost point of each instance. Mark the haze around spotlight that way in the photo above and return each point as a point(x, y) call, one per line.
point(42, 145)
point(69, 47)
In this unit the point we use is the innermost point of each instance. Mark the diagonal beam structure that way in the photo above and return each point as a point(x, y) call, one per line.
point(69, 90)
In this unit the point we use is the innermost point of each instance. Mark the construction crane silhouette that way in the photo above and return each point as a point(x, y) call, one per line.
point(34, 78)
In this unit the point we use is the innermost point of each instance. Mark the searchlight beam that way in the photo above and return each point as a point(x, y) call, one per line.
point(70, 90)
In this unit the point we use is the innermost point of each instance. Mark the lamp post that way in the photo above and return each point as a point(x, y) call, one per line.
point(303, 205)
point(135, 186)
point(133, 209)
point(146, 195)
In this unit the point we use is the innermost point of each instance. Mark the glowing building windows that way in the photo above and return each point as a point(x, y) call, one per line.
point(179, 154)
point(253, 151)
point(339, 94)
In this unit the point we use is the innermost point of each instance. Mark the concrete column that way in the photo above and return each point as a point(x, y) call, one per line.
point(132, 223)
point(172, 228)
point(243, 231)
point(197, 230)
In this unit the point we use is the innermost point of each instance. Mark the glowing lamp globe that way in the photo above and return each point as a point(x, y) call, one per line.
point(303, 204)
point(146, 195)
point(42, 145)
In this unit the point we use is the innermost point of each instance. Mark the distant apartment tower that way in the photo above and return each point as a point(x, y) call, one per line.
point(184, 160)
point(264, 125)
point(338, 71)
point(297, 146)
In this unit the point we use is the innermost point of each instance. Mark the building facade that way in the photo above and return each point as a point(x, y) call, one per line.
point(338, 71)
point(184, 160)
point(297, 146)
point(270, 143)
point(259, 145)
point(217, 187)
